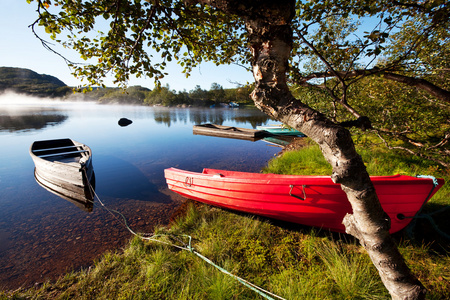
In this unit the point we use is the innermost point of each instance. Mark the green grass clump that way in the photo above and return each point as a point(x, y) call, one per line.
point(292, 261)
point(308, 161)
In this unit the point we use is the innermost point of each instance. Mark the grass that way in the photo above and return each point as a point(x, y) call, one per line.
point(308, 161)
point(291, 261)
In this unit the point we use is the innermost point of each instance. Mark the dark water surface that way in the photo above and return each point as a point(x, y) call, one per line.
point(42, 236)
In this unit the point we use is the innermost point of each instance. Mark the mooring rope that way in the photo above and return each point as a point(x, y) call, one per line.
point(152, 237)
point(419, 215)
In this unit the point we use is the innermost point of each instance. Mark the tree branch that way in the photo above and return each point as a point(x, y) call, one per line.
point(44, 43)
point(141, 31)
point(415, 153)
point(362, 123)
point(421, 84)
point(343, 99)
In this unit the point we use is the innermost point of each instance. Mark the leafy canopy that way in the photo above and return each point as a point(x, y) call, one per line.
point(135, 37)
point(140, 38)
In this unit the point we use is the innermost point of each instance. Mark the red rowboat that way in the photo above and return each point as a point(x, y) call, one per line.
point(308, 200)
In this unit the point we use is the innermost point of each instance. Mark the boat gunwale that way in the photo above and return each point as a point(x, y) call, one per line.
point(224, 127)
point(87, 153)
point(320, 180)
point(226, 131)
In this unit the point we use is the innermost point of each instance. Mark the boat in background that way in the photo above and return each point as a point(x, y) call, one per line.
point(309, 200)
point(280, 130)
point(64, 167)
point(228, 132)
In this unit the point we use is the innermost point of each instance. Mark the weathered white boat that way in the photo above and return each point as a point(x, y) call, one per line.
point(228, 131)
point(64, 167)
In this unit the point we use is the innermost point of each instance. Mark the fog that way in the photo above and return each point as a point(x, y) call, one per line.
point(11, 101)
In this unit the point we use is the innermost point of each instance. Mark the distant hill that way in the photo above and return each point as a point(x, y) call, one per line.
point(25, 81)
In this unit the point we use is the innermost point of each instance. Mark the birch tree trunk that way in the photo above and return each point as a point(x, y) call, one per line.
point(369, 223)
point(270, 40)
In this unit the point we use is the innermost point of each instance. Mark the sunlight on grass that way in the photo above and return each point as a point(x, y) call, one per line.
point(351, 273)
point(308, 161)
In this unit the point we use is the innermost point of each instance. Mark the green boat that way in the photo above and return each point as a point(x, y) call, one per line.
point(280, 130)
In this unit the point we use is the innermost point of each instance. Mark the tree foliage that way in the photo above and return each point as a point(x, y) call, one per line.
point(397, 66)
point(139, 38)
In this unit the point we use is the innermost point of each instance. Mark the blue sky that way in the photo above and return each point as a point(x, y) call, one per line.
point(19, 48)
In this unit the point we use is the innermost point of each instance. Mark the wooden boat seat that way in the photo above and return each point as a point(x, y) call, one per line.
point(62, 154)
point(55, 148)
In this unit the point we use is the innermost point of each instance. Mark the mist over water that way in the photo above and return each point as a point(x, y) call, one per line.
point(42, 236)
point(9, 99)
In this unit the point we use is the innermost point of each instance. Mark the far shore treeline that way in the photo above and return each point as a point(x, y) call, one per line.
point(28, 82)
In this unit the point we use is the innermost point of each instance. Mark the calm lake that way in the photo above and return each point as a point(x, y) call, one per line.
point(42, 236)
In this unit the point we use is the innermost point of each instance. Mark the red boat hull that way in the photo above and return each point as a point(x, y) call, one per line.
point(308, 200)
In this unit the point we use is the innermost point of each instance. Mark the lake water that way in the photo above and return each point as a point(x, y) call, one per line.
point(42, 236)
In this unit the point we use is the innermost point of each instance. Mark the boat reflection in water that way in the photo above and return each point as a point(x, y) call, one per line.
point(83, 198)
point(64, 167)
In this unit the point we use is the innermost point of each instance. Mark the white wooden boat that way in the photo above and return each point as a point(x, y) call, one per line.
point(64, 167)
